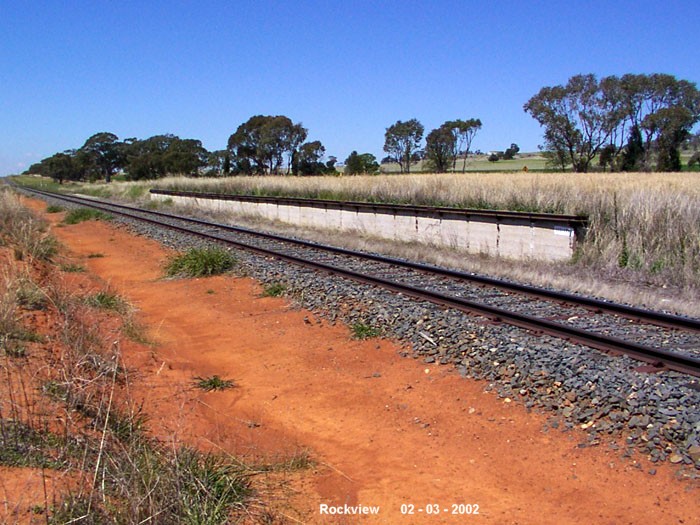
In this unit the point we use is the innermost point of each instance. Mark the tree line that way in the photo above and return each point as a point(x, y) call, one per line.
point(262, 145)
point(628, 123)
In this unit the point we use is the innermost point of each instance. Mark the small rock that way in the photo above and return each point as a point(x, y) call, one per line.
point(675, 458)
point(694, 453)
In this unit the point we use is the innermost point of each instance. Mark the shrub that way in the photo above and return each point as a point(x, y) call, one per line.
point(200, 262)
point(274, 290)
point(85, 214)
point(212, 383)
point(364, 331)
point(107, 301)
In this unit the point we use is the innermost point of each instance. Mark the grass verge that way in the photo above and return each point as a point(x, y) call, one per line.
point(87, 428)
point(200, 262)
point(78, 215)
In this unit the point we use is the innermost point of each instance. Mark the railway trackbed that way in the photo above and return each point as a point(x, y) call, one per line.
point(660, 340)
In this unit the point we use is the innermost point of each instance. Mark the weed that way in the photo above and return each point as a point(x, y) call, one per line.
point(212, 383)
point(53, 208)
point(23, 446)
point(29, 295)
point(12, 349)
point(200, 262)
point(136, 331)
point(78, 215)
point(72, 268)
point(28, 336)
point(274, 290)
point(107, 301)
point(211, 292)
point(55, 390)
point(95, 255)
point(24, 230)
point(299, 460)
point(363, 331)
point(136, 192)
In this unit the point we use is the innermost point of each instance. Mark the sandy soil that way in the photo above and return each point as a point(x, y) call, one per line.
point(384, 430)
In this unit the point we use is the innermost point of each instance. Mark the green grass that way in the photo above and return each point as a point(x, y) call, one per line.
point(23, 446)
point(107, 301)
point(78, 215)
point(54, 209)
point(39, 183)
point(30, 296)
point(200, 262)
point(364, 331)
point(72, 268)
point(274, 290)
point(209, 384)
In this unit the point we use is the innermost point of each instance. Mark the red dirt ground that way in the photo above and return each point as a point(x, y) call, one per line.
point(384, 430)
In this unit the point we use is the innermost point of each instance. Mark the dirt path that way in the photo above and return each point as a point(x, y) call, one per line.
point(385, 431)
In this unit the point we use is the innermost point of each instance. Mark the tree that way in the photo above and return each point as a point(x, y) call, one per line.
point(161, 155)
point(105, 154)
point(308, 159)
point(634, 119)
point(633, 153)
point(294, 138)
point(61, 167)
point(464, 132)
point(218, 163)
point(440, 149)
point(258, 146)
point(357, 164)
point(509, 153)
point(401, 141)
point(578, 118)
point(185, 156)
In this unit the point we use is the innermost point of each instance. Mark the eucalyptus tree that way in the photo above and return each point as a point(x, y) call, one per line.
point(402, 140)
point(440, 149)
point(361, 163)
point(259, 145)
point(631, 120)
point(162, 155)
point(579, 118)
point(463, 132)
point(104, 153)
point(308, 160)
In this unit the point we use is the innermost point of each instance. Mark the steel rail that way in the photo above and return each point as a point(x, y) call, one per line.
point(656, 357)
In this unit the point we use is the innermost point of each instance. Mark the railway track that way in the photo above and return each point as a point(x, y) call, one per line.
point(661, 340)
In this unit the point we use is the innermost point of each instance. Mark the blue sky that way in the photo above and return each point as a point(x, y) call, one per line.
point(346, 70)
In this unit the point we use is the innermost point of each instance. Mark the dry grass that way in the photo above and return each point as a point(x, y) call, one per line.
point(25, 231)
point(65, 411)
